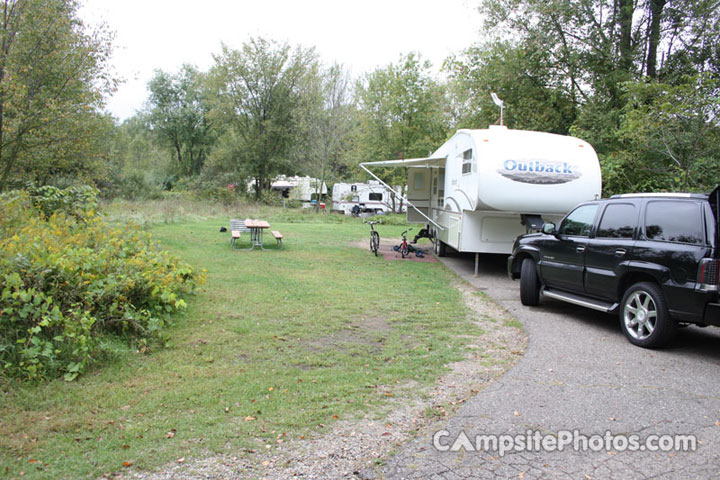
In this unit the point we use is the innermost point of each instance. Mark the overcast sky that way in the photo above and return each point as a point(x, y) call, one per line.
point(362, 35)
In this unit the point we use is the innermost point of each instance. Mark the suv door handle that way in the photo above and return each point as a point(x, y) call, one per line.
point(620, 252)
point(580, 249)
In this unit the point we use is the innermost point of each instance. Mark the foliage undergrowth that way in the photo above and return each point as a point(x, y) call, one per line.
point(68, 279)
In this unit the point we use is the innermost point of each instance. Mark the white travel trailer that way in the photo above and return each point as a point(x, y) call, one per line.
point(483, 188)
point(368, 197)
point(299, 188)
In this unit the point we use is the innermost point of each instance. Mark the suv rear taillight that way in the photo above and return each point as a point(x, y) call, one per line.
point(708, 274)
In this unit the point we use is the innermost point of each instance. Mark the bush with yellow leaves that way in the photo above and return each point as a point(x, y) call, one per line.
point(67, 279)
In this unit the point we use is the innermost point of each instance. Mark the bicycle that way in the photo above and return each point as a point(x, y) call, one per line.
point(374, 238)
point(404, 251)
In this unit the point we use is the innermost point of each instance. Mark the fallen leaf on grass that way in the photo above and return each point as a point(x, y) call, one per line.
point(127, 464)
point(169, 434)
point(181, 460)
point(249, 418)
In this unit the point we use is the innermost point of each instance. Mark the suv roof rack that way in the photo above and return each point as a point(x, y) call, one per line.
point(668, 195)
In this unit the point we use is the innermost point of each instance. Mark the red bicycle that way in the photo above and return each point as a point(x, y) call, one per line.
point(403, 249)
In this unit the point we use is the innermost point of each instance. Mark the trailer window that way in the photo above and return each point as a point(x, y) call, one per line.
point(376, 197)
point(467, 161)
point(419, 181)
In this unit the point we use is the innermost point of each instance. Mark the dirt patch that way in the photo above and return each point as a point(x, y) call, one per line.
point(361, 330)
point(354, 448)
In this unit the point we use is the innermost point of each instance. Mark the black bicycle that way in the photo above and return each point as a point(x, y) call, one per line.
point(374, 238)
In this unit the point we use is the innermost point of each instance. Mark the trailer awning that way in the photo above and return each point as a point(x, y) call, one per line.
point(429, 162)
point(410, 162)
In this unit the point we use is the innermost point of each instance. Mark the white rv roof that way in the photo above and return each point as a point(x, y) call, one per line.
point(411, 162)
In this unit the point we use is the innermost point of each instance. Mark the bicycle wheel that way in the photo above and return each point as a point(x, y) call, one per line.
point(404, 250)
point(375, 242)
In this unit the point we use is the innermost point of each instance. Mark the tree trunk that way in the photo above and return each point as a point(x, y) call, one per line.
point(178, 154)
point(625, 15)
point(656, 7)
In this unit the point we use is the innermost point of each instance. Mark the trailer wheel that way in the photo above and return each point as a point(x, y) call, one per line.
point(529, 284)
point(440, 247)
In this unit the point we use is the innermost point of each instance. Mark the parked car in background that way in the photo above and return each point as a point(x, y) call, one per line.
point(652, 258)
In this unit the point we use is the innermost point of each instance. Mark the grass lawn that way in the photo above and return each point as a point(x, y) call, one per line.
point(274, 347)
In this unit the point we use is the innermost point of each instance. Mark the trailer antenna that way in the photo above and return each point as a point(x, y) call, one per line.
point(499, 103)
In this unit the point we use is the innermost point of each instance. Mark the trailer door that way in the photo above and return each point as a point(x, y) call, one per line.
point(419, 182)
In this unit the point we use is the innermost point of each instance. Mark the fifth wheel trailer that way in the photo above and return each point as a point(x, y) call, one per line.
point(483, 188)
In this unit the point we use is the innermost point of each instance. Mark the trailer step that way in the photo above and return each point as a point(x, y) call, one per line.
point(575, 299)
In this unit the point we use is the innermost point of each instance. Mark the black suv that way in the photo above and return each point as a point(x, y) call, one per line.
point(653, 258)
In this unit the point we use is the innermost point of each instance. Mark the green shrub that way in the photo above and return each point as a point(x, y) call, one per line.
point(76, 201)
point(68, 279)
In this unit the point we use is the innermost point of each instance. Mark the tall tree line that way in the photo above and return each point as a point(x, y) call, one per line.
point(638, 79)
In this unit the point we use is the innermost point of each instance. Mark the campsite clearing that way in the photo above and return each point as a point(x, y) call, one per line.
point(272, 350)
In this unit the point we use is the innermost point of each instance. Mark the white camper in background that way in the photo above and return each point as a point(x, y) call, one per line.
point(368, 197)
point(483, 188)
point(299, 188)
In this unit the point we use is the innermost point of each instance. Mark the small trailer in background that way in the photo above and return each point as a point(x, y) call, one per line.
point(304, 189)
point(370, 197)
point(483, 188)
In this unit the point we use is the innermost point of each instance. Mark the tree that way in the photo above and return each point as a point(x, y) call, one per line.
point(326, 121)
point(400, 110)
point(257, 91)
point(599, 44)
point(179, 117)
point(53, 75)
point(602, 54)
point(670, 138)
point(520, 76)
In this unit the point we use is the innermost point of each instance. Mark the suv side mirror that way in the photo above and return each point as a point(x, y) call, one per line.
point(549, 229)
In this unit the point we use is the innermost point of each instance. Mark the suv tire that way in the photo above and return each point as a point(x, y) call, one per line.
point(529, 284)
point(644, 316)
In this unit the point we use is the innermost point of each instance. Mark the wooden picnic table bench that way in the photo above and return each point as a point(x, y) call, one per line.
point(279, 237)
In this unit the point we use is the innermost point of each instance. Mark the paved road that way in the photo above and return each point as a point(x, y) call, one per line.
point(579, 373)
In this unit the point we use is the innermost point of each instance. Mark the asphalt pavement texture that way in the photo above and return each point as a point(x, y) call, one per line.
point(579, 373)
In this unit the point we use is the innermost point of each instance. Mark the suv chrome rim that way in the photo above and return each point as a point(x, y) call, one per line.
point(640, 315)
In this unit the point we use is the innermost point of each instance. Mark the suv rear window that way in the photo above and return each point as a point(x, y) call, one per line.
point(618, 221)
point(679, 222)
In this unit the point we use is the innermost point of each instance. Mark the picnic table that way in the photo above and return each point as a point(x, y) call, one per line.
point(256, 232)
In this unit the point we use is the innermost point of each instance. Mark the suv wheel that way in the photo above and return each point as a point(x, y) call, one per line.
point(529, 284)
point(644, 316)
